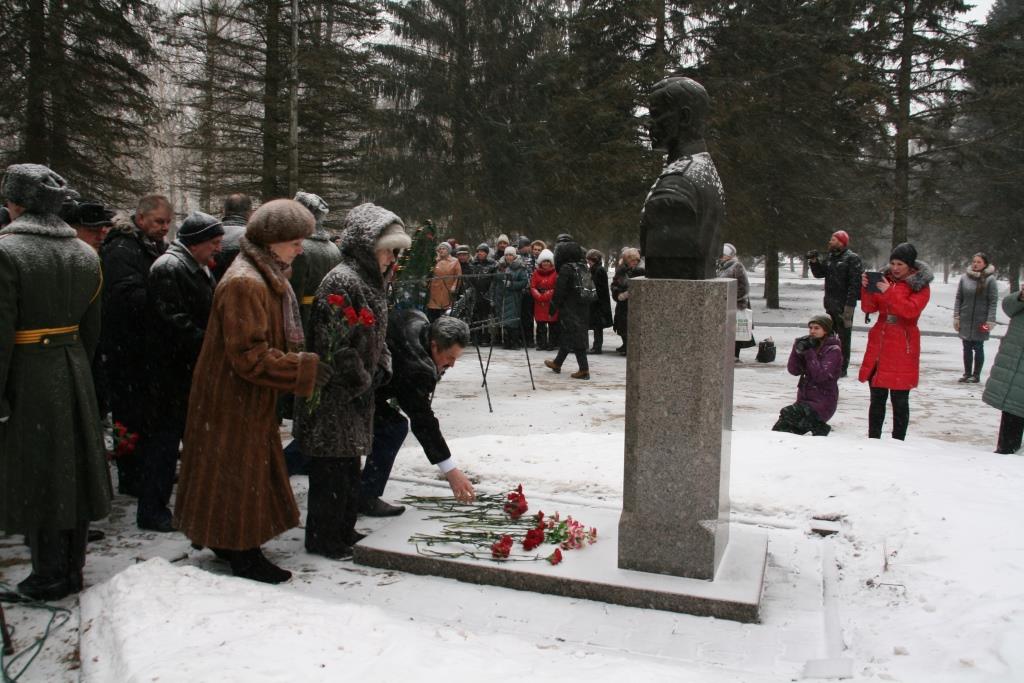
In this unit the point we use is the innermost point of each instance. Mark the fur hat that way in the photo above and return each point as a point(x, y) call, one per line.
point(511, 251)
point(279, 220)
point(34, 187)
point(546, 255)
point(316, 205)
point(483, 246)
point(842, 236)
point(823, 320)
point(199, 227)
point(394, 237)
point(728, 251)
point(904, 252)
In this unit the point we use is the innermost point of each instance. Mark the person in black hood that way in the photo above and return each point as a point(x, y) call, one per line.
point(421, 352)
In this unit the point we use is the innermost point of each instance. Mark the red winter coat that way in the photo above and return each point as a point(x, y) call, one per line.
point(893, 356)
point(542, 289)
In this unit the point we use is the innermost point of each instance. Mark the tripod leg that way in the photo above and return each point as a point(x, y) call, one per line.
point(487, 391)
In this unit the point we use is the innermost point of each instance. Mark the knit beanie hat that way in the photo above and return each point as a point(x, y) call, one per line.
point(904, 252)
point(394, 237)
point(824, 321)
point(546, 255)
point(279, 220)
point(842, 236)
point(564, 237)
point(483, 246)
point(728, 250)
point(316, 205)
point(503, 238)
point(34, 187)
point(199, 227)
point(524, 241)
point(461, 249)
point(511, 251)
point(444, 246)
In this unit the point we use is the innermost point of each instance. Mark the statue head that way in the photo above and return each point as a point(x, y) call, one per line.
point(678, 108)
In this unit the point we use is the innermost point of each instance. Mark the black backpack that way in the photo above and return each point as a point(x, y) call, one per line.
point(585, 283)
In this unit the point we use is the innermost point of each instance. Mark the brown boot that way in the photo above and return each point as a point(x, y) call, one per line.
point(551, 364)
point(581, 374)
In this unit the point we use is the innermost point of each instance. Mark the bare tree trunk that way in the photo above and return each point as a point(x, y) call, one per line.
point(771, 273)
point(269, 186)
point(36, 146)
point(293, 107)
point(901, 172)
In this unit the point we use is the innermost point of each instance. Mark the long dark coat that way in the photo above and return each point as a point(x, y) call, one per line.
point(319, 255)
point(127, 256)
point(573, 311)
point(510, 282)
point(620, 285)
point(180, 296)
point(893, 356)
point(53, 469)
point(1005, 387)
point(600, 310)
point(341, 426)
point(233, 491)
point(975, 303)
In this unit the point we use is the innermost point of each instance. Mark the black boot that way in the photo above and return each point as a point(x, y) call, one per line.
point(251, 564)
point(375, 507)
point(77, 541)
point(50, 555)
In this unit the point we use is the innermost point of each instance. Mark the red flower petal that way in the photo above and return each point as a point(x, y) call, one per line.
point(555, 557)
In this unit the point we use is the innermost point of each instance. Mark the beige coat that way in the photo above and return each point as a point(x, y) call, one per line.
point(446, 280)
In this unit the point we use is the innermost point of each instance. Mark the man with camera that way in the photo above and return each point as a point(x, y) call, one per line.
point(841, 270)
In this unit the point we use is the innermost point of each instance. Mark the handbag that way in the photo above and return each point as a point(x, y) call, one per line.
point(744, 324)
point(766, 351)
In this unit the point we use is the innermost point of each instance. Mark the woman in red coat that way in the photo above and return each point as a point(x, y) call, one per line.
point(542, 289)
point(894, 344)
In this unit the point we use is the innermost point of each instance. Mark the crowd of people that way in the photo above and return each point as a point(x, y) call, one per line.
point(264, 312)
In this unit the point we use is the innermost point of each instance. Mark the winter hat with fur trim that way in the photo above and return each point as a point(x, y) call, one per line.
point(34, 187)
point(279, 220)
point(393, 237)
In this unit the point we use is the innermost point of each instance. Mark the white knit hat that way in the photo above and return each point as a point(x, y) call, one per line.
point(510, 250)
point(546, 255)
point(728, 250)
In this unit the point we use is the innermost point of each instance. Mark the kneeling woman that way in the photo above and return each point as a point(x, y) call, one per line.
point(818, 359)
point(233, 493)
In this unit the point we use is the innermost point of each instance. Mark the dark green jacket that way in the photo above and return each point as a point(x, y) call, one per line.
point(1005, 387)
point(53, 469)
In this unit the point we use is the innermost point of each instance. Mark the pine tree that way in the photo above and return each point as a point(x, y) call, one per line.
point(77, 95)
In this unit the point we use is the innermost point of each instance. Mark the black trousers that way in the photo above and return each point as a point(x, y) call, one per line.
point(332, 504)
point(158, 453)
point(1011, 431)
point(581, 358)
point(545, 336)
point(800, 418)
point(844, 333)
point(389, 432)
point(900, 412)
point(974, 357)
point(59, 553)
point(598, 339)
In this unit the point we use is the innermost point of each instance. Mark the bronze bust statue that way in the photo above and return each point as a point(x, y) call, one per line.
point(679, 224)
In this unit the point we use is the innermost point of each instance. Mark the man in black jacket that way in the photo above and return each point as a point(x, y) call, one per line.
point(237, 210)
point(179, 299)
point(420, 353)
point(842, 273)
point(128, 252)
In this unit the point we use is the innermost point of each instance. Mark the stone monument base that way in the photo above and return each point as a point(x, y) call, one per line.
point(591, 573)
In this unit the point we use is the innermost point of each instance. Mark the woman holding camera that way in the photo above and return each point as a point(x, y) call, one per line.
point(892, 358)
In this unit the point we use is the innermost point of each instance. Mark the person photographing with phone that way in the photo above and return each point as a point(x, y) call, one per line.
point(841, 271)
point(892, 358)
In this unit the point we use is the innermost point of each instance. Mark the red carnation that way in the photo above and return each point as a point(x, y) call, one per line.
point(366, 317)
point(350, 316)
point(516, 505)
point(501, 549)
point(555, 557)
point(336, 300)
point(534, 537)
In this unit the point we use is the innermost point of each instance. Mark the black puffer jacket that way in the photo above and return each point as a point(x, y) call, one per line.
point(573, 311)
point(842, 273)
point(179, 298)
point(413, 381)
point(127, 255)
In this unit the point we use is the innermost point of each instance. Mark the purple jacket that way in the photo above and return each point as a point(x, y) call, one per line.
point(819, 369)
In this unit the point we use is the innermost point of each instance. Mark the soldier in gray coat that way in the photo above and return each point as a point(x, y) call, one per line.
point(348, 328)
point(974, 313)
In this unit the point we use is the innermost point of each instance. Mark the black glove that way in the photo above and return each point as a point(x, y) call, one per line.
point(324, 372)
point(812, 255)
point(803, 343)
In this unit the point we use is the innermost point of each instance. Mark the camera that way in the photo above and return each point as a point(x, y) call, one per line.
point(812, 255)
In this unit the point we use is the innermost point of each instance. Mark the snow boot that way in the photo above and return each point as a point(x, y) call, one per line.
point(581, 374)
point(554, 367)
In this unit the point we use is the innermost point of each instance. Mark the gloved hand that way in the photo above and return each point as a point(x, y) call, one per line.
point(848, 316)
point(803, 343)
point(623, 297)
point(812, 255)
point(324, 372)
point(956, 324)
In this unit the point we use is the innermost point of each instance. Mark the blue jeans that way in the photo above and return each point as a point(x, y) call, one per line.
point(389, 431)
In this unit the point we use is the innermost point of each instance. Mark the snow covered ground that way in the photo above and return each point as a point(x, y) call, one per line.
point(929, 559)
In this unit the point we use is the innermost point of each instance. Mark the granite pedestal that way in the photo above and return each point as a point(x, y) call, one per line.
point(679, 378)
